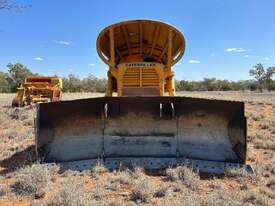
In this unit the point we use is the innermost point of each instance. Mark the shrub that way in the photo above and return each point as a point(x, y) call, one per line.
point(35, 179)
point(185, 175)
point(236, 172)
point(99, 191)
point(255, 198)
point(122, 177)
point(71, 194)
point(3, 190)
point(264, 125)
point(255, 117)
point(271, 184)
point(89, 84)
point(142, 191)
point(106, 202)
point(99, 169)
point(161, 191)
point(185, 198)
point(171, 174)
point(138, 173)
point(221, 198)
point(265, 144)
point(267, 192)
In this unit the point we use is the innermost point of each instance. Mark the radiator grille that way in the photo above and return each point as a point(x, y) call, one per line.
point(140, 77)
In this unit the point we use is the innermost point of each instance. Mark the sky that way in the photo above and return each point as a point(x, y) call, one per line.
point(224, 38)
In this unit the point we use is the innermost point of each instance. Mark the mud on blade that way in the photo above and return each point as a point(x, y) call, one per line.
point(141, 127)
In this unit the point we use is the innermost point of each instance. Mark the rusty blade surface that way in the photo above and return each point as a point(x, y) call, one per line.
point(140, 127)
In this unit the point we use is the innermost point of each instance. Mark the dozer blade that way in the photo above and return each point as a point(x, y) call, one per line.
point(153, 132)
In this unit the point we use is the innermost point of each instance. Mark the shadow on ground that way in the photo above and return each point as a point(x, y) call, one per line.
point(17, 160)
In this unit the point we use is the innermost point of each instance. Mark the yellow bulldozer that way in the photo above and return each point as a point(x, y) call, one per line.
point(37, 89)
point(144, 124)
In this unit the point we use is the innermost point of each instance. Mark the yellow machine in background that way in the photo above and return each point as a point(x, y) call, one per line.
point(38, 89)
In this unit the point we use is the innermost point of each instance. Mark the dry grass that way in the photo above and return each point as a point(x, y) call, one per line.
point(99, 169)
point(124, 177)
point(142, 191)
point(21, 181)
point(222, 197)
point(35, 179)
point(100, 191)
point(71, 193)
point(3, 190)
point(161, 190)
point(183, 175)
point(240, 174)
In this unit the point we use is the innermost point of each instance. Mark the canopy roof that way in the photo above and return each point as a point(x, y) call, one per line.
point(146, 40)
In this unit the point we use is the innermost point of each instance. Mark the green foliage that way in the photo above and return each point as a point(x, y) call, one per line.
point(209, 83)
point(16, 75)
point(212, 84)
point(4, 84)
point(10, 81)
point(258, 72)
point(263, 81)
point(72, 84)
point(89, 84)
point(270, 84)
point(93, 84)
point(263, 76)
point(18, 72)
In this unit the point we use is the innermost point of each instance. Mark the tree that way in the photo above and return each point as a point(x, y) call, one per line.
point(181, 85)
point(209, 84)
point(93, 84)
point(89, 84)
point(72, 84)
point(223, 85)
point(17, 74)
point(268, 78)
point(4, 84)
point(262, 75)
